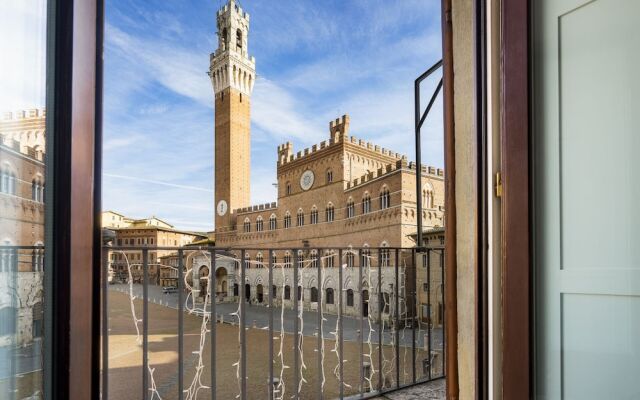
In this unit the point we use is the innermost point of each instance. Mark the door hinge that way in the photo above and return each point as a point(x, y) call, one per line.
point(498, 184)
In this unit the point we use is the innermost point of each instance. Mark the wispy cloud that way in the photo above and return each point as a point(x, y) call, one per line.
point(329, 58)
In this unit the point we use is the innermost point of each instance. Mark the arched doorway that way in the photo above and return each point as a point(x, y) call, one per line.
point(221, 282)
point(203, 274)
point(247, 292)
point(365, 303)
point(259, 294)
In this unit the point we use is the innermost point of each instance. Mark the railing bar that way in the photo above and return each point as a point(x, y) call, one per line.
point(429, 319)
point(270, 255)
point(175, 248)
point(360, 317)
point(413, 316)
point(213, 321)
point(319, 312)
point(105, 324)
point(381, 306)
point(444, 319)
point(145, 324)
point(296, 356)
point(397, 317)
point(243, 335)
point(341, 336)
point(180, 325)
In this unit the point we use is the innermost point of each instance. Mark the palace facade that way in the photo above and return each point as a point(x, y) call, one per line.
point(22, 183)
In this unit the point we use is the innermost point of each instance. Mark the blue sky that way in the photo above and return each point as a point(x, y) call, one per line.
point(315, 60)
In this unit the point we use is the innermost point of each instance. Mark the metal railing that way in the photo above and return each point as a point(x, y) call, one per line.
point(389, 316)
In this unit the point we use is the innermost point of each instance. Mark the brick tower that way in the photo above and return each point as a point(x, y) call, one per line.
point(232, 74)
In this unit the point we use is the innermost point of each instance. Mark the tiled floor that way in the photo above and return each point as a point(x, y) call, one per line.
point(431, 390)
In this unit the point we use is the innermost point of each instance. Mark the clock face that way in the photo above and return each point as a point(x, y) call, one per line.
point(306, 180)
point(221, 208)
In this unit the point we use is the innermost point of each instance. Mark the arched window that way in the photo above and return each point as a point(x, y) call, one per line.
point(300, 217)
point(349, 297)
point(329, 259)
point(329, 298)
point(287, 260)
point(385, 198)
point(366, 203)
point(385, 254)
point(299, 293)
point(314, 259)
point(350, 259)
point(287, 220)
point(329, 176)
point(247, 225)
point(274, 291)
point(273, 222)
point(274, 258)
point(365, 260)
point(235, 289)
point(288, 188)
point(351, 209)
point(225, 39)
point(330, 212)
point(239, 39)
point(314, 295)
point(287, 292)
point(259, 224)
point(260, 260)
point(314, 215)
point(34, 190)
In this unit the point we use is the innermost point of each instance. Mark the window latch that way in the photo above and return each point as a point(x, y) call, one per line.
point(498, 184)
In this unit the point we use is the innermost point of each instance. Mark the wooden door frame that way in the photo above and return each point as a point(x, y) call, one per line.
point(517, 276)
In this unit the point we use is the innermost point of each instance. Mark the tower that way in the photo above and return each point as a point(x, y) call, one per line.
point(232, 74)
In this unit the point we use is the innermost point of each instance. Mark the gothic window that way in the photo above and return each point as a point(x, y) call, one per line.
point(350, 259)
point(287, 260)
point(288, 188)
point(314, 259)
point(366, 203)
point(287, 220)
point(365, 259)
point(351, 210)
point(247, 225)
point(225, 39)
point(329, 260)
point(274, 258)
point(300, 217)
point(239, 39)
point(260, 259)
point(314, 295)
point(385, 199)
point(314, 215)
point(330, 213)
point(259, 224)
point(329, 176)
point(287, 292)
point(273, 222)
point(385, 255)
point(349, 297)
point(329, 295)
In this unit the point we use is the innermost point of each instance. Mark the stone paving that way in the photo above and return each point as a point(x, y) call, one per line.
point(431, 390)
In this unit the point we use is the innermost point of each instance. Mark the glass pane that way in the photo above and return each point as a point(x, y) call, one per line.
point(22, 188)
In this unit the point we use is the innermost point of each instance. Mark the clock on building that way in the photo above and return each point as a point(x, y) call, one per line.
point(221, 208)
point(306, 180)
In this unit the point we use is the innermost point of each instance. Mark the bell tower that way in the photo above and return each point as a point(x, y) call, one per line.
point(232, 74)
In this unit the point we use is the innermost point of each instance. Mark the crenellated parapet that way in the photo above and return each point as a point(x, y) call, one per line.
point(23, 131)
point(259, 207)
point(389, 169)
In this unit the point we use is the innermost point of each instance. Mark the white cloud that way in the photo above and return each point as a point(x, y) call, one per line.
point(22, 46)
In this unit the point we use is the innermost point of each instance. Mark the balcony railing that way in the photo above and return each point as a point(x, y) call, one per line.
point(295, 323)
